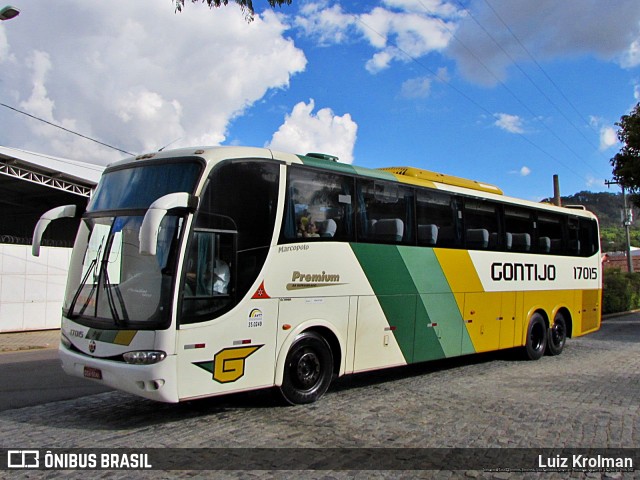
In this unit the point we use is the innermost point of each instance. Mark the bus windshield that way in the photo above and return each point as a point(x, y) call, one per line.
point(110, 284)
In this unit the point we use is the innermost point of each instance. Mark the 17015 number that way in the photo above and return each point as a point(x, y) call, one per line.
point(585, 273)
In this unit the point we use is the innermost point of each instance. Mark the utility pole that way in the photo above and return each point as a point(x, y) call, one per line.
point(626, 221)
point(556, 191)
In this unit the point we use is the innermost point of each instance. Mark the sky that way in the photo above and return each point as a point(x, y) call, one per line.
point(507, 92)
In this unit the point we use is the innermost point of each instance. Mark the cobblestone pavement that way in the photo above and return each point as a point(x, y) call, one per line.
point(586, 397)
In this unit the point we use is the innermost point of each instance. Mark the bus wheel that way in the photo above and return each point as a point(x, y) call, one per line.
point(307, 370)
point(557, 335)
point(536, 338)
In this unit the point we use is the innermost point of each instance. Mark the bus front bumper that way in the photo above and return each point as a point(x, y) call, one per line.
point(156, 382)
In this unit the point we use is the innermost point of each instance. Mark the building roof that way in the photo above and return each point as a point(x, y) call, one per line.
point(20, 163)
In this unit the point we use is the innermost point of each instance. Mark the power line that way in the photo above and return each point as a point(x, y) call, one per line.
point(528, 77)
point(544, 72)
point(65, 129)
point(474, 102)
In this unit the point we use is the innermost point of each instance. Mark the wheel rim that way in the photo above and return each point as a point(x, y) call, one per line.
point(307, 370)
point(537, 337)
point(557, 334)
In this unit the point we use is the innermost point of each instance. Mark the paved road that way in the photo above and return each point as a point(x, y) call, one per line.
point(35, 377)
point(586, 397)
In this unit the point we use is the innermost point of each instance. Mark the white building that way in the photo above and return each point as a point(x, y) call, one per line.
point(32, 288)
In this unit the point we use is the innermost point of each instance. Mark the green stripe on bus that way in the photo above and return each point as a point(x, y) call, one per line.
point(416, 299)
point(437, 308)
point(346, 168)
point(392, 283)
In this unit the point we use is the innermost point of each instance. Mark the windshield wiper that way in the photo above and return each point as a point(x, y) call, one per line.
point(92, 266)
point(110, 300)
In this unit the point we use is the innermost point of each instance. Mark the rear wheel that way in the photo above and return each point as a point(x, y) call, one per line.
point(557, 335)
point(307, 370)
point(536, 338)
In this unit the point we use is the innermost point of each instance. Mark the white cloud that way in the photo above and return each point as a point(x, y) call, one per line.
point(592, 182)
point(429, 7)
point(509, 123)
point(139, 82)
point(39, 102)
point(323, 132)
point(608, 138)
point(403, 36)
point(416, 88)
point(631, 58)
point(406, 30)
point(328, 24)
point(549, 29)
point(524, 171)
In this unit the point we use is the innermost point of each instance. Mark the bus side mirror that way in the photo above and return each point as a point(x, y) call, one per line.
point(151, 223)
point(67, 211)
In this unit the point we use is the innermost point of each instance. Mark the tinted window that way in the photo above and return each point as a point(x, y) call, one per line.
point(481, 225)
point(589, 241)
point(385, 212)
point(139, 187)
point(231, 237)
point(550, 238)
point(319, 206)
point(438, 222)
point(519, 231)
point(242, 196)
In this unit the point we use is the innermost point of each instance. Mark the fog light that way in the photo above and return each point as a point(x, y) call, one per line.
point(144, 357)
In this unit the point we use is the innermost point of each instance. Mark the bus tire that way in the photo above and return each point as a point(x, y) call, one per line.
point(308, 369)
point(557, 335)
point(536, 342)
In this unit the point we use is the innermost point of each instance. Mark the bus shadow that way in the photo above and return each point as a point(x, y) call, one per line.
point(119, 411)
point(365, 379)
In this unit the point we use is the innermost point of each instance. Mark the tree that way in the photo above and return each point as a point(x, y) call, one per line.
point(245, 5)
point(626, 163)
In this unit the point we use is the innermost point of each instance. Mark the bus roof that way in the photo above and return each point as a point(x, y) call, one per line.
point(406, 175)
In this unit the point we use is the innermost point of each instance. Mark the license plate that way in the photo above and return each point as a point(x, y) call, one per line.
point(95, 373)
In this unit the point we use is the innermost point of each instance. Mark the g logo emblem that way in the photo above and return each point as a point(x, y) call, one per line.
point(92, 346)
point(229, 363)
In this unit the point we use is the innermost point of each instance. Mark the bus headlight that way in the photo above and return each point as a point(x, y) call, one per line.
point(144, 357)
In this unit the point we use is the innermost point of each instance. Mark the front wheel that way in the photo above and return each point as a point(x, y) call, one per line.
point(557, 335)
point(307, 370)
point(536, 338)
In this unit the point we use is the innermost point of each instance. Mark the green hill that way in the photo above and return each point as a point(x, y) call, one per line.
point(607, 207)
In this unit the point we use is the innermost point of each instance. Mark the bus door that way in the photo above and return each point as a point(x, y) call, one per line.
point(222, 344)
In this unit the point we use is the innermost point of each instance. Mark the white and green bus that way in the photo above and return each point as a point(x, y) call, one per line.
point(206, 271)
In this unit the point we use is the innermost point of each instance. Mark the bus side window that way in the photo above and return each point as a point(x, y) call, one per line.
point(482, 229)
point(385, 212)
point(318, 206)
point(437, 215)
point(574, 236)
point(589, 241)
point(207, 286)
point(550, 234)
point(519, 231)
